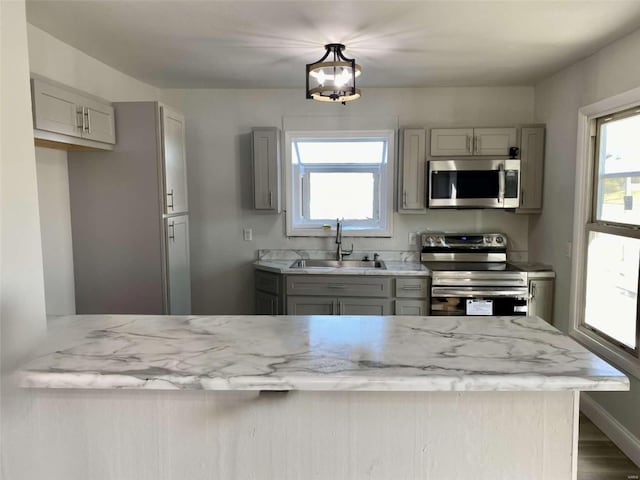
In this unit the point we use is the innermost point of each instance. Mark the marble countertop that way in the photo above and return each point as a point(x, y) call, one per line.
point(393, 268)
point(314, 353)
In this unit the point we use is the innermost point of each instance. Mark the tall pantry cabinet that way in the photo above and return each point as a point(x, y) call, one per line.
point(129, 217)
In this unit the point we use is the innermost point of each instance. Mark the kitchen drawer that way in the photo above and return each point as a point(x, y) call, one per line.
point(411, 287)
point(267, 282)
point(339, 285)
point(411, 307)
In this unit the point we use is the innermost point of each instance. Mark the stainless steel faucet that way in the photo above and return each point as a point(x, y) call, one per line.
point(340, 254)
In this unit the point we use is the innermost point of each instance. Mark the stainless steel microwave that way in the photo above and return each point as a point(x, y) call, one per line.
point(474, 183)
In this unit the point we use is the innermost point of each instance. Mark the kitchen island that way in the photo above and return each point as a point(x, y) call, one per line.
point(312, 397)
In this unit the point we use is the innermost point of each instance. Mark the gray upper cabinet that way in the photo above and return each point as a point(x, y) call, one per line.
point(412, 197)
point(175, 167)
point(75, 117)
point(461, 142)
point(266, 169)
point(451, 142)
point(531, 168)
point(494, 141)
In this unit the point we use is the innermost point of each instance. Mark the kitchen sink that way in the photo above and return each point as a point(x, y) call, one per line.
point(303, 263)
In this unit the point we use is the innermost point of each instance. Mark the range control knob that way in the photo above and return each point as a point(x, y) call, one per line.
point(430, 240)
point(499, 239)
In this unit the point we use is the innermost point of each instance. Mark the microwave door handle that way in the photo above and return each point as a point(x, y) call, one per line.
point(501, 183)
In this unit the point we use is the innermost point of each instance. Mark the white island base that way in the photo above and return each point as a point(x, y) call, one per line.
point(197, 435)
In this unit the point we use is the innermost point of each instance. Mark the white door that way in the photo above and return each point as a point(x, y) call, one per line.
point(175, 165)
point(451, 142)
point(178, 265)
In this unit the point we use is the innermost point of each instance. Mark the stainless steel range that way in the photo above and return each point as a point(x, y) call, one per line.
point(471, 276)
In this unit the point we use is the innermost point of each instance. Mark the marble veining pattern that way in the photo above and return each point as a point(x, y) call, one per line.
point(314, 353)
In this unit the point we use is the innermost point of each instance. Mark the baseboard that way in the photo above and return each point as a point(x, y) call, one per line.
point(612, 428)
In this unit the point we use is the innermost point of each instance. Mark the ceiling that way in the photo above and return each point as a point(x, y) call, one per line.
point(266, 44)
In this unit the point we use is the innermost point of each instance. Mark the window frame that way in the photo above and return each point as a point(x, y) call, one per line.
point(585, 221)
point(383, 195)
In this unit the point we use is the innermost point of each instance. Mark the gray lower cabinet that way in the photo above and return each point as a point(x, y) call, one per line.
point(267, 303)
point(268, 293)
point(412, 307)
point(312, 306)
point(541, 298)
point(340, 295)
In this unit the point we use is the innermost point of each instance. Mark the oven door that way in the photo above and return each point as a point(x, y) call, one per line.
point(472, 301)
point(474, 183)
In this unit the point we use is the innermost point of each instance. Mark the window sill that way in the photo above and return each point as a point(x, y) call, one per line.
point(317, 232)
point(618, 358)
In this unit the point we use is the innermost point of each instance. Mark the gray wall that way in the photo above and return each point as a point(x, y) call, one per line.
point(610, 71)
point(219, 175)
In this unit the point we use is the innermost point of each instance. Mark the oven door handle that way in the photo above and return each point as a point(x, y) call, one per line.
point(479, 292)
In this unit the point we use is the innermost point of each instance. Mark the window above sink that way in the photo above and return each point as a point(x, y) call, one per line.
point(346, 175)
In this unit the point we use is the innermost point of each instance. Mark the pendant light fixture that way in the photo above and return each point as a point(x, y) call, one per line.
point(333, 77)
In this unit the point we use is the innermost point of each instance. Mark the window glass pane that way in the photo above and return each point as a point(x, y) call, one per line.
point(612, 286)
point(348, 195)
point(339, 151)
point(618, 190)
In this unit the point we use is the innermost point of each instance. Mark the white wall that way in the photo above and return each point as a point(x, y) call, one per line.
point(610, 71)
point(22, 311)
point(58, 61)
point(55, 227)
point(218, 130)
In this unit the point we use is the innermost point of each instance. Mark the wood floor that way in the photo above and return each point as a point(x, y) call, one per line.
point(599, 458)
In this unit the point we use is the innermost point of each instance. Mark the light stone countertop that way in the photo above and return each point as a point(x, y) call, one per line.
point(393, 268)
point(314, 353)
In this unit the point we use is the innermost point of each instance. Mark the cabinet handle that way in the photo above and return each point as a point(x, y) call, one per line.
point(412, 287)
point(335, 285)
point(476, 144)
point(80, 118)
point(533, 291)
point(469, 144)
point(270, 199)
point(170, 194)
point(87, 127)
point(339, 308)
point(172, 233)
point(404, 199)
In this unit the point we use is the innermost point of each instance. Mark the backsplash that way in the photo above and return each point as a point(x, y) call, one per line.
point(389, 255)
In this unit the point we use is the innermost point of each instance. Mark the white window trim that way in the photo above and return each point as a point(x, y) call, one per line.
point(581, 216)
point(318, 231)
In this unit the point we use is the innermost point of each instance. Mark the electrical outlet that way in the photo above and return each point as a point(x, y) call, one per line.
point(247, 234)
point(413, 238)
point(568, 249)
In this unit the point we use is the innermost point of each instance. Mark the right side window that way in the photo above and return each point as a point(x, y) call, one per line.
point(613, 233)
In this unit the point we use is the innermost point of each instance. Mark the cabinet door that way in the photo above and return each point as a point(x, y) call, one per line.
point(364, 306)
point(266, 169)
point(312, 306)
point(178, 265)
point(451, 142)
point(411, 307)
point(531, 167)
point(541, 298)
point(266, 304)
point(493, 141)
point(175, 165)
point(412, 196)
point(56, 109)
point(99, 122)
